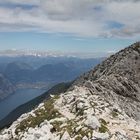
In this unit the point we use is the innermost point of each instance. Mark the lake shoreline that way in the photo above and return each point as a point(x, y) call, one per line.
point(19, 97)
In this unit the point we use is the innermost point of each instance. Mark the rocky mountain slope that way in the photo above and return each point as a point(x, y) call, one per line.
point(103, 104)
point(6, 88)
point(118, 80)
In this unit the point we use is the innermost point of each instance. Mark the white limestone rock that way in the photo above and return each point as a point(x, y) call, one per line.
point(66, 136)
point(92, 122)
point(100, 136)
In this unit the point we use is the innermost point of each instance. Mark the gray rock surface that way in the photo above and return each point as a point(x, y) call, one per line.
point(117, 80)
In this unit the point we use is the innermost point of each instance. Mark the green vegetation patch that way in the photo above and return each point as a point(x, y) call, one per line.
point(70, 127)
point(88, 131)
point(40, 115)
point(102, 121)
point(114, 113)
point(56, 126)
point(103, 127)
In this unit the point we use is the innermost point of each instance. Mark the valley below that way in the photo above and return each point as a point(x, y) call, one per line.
point(19, 97)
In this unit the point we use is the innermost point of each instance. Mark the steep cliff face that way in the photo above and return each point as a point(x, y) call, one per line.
point(6, 88)
point(103, 104)
point(117, 80)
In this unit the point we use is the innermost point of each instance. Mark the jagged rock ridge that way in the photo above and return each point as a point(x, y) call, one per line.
point(102, 104)
point(118, 80)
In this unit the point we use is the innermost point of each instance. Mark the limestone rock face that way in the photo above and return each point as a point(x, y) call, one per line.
point(92, 122)
point(117, 80)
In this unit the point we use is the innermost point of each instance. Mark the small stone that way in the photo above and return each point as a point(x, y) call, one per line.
point(85, 138)
point(66, 136)
point(100, 136)
point(92, 122)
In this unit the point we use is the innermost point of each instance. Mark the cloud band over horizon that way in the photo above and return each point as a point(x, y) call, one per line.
point(79, 18)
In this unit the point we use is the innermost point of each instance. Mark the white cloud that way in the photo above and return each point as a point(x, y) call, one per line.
point(82, 18)
point(28, 2)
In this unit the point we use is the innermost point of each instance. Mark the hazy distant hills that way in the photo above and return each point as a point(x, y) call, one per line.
point(43, 72)
point(6, 88)
point(55, 72)
point(20, 72)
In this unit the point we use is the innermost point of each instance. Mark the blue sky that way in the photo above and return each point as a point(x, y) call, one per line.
point(69, 25)
point(63, 43)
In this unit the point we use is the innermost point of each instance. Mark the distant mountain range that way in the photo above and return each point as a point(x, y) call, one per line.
point(43, 72)
point(14, 52)
point(21, 72)
point(36, 53)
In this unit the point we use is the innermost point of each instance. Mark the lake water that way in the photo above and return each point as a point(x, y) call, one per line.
point(20, 97)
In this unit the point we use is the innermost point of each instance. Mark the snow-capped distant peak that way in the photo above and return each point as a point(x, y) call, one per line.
point(15, 53)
